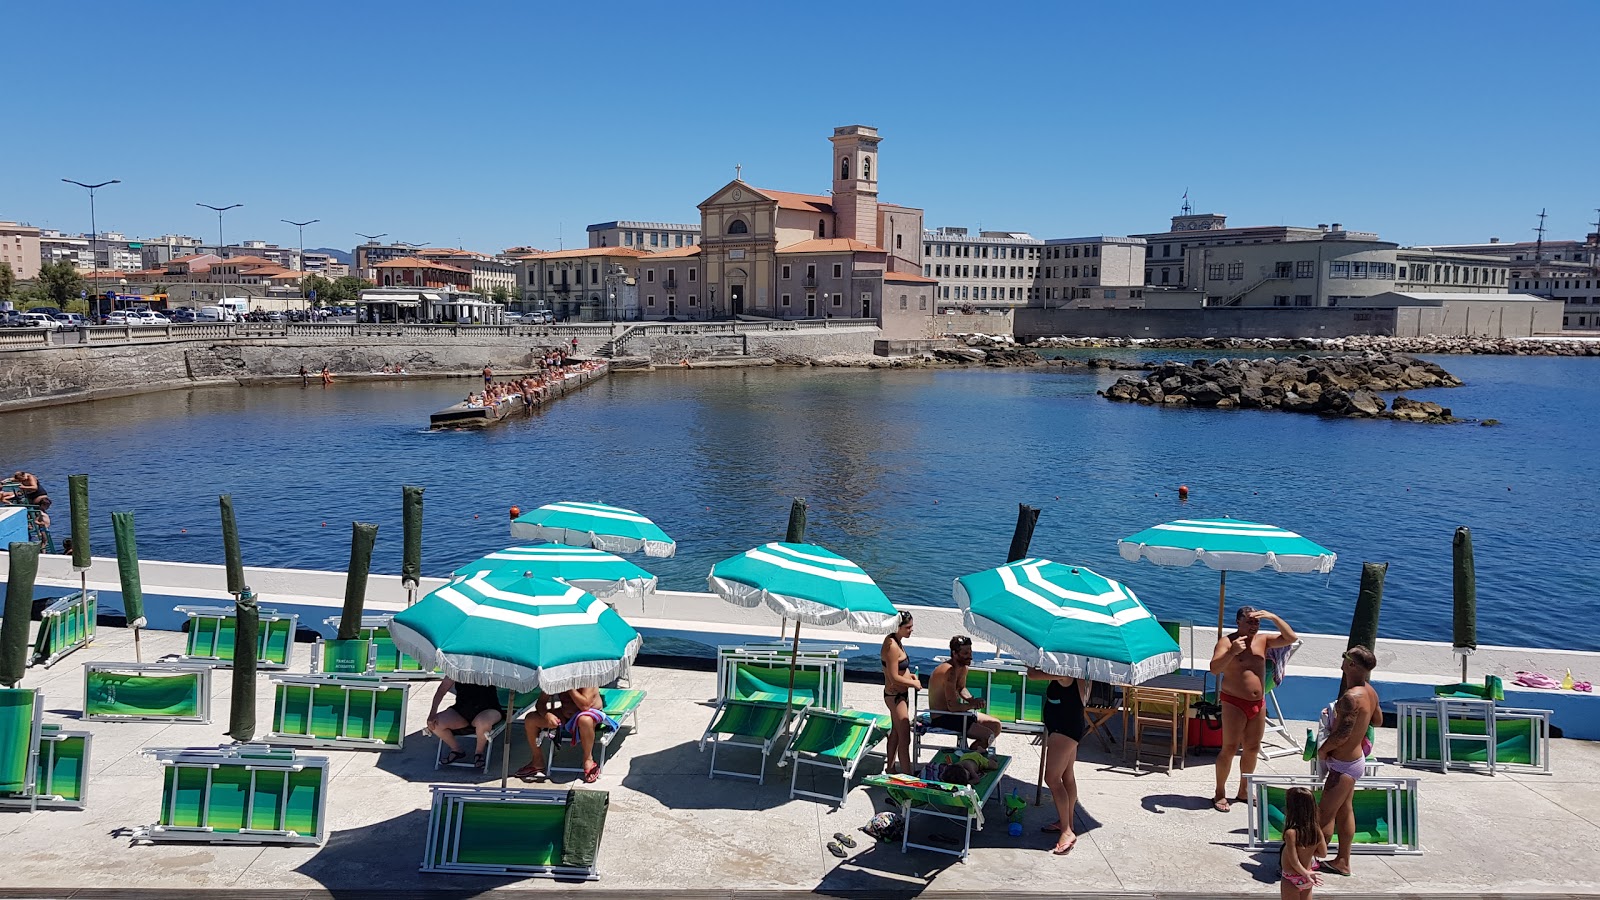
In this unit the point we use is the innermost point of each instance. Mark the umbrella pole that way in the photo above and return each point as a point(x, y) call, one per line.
point(1222, 609)
point(505, 755)
point(138, 654)
point(794, 661)
point(1044, 757)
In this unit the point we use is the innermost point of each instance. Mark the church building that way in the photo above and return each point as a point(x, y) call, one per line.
point(786, 255)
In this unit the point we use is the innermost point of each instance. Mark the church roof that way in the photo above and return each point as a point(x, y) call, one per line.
point(831, 245)
point(803, 202)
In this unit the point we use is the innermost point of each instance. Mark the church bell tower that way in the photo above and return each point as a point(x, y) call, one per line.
point(855, 182)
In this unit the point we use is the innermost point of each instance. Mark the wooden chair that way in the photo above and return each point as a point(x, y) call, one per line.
point(1104, 704)
point(1157, 710)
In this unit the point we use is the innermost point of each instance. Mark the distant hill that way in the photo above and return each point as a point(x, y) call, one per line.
point(342, 257)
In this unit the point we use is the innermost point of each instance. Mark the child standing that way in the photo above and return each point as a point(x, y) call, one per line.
point(1302, 844)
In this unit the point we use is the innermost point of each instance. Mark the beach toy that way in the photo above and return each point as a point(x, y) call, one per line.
point(1566, 683)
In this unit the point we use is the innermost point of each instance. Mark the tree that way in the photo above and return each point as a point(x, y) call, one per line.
point(323, 288)
point(500, 294)
point(59, 282)
point(8, 281)
point(347, 290)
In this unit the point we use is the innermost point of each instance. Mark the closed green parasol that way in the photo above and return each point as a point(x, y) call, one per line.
point(1464, 633)
point(24, 567)
point(411, 539)
point(128, 571)
point(246, 634)
point(1369, 602)
point(362, 537)
point(78, 494)
point(230, 547)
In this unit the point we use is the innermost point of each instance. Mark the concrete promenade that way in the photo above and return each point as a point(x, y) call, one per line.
point(670, 828)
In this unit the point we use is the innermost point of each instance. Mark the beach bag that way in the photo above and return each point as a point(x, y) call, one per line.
point(885, 826)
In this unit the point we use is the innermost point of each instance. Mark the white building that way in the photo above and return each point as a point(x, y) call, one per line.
point(651, 237)
point(989, 273)
point(1091, 272)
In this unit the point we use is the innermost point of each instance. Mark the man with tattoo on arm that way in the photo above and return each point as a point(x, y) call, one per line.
point(1344, 752)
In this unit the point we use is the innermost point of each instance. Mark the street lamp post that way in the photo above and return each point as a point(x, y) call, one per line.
point(94, 234)
point(219, 211)
point(305, 304)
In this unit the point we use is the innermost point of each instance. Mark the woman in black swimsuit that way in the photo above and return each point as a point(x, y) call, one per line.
point(898, 683)
point(1064, 726)
point(477, 707)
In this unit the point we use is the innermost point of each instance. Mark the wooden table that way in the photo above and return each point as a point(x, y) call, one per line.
point(1172, 694)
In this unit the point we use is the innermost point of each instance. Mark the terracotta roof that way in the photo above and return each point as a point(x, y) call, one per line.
point(831, 245)
point(589, 251)
point(194, 256)
point(909, 276)
point(412, 262)
point(803, 202)
point(676, 252)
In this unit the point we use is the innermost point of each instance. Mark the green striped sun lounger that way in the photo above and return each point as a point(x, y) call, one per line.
point(240, 794)
point(379, 656)
point(520, 831)
point(818, 680)
point(211, 637)
point(41, 766)
point(346, 712)
point(621, 705)
point(64, 626)
point(1522, 738)
point(956, 802)
point(146, 692)
point(1386, 809)
point(745, 723)
point(835, 741)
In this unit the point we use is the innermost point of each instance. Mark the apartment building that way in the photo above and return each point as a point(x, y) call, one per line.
point(489, 273)
point(991, 272)
point(1090, 272)
point(587, 284)
point(650, 237)
point(19, 249)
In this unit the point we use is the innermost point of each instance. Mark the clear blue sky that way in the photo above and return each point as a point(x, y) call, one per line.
point(491, 125)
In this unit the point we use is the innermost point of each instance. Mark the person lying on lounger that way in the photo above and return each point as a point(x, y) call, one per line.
point(576, 714)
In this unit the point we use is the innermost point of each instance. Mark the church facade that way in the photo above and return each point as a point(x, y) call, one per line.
point(787, 255)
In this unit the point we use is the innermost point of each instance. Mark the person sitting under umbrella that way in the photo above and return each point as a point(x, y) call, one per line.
point(477, 707)
point(1241, 659)
point(576, 714)
point(947, 695)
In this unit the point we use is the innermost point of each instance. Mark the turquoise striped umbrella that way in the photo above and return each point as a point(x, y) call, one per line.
point(595, 525)
point(805, 582)
point(1067, 620)
point(515, 632)
point(1230, 545)
point(596, 571)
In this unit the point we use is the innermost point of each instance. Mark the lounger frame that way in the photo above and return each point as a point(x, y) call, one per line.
point(52, 777)
point(1411, 727)
point(205, 634)
point(380, 662)
point(911, 808)
point(65, 625)
point(362, 694)
point(96, 675)
point(1400, 797)
point(627, 720)
point(719, 739)
point(443, 850)
point(844, 766)
point(260, 762)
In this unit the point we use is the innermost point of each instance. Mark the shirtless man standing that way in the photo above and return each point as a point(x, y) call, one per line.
point(947, 693)
point(1241, 659)
point(1344, 752)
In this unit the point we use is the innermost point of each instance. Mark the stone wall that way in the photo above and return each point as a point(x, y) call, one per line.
point(1251, 322)
point(669, 349)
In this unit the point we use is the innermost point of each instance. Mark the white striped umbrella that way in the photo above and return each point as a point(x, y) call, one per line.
point(805, 582)
point(1229, 545)
point(596, 571)
point(1067, 620)
point(597, 525)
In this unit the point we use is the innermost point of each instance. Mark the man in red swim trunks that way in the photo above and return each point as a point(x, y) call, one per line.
point(1241, 659)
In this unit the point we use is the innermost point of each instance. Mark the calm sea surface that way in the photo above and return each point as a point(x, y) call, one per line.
point(915, 475)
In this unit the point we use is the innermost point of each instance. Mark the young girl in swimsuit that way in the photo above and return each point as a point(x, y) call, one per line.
point(898, 683)
point(1302, 844)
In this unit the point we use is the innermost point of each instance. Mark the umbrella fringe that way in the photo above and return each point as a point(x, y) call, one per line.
point(514, 676)
point(1073, 664)
point(608, 542)
point(808, 611)
point(1227, 561)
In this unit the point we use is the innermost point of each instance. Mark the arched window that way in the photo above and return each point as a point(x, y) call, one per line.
point(822, 228)
point(737, 226)
point(866, 168)
point(844, 168)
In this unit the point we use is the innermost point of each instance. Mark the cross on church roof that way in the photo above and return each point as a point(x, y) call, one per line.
point(736, 169)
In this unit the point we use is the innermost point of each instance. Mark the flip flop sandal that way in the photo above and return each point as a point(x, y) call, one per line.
point(1063, 851)
point(477, 761)
point(1220, 804)
point(836, 850)
point(530, 774)
point(591, 775)
point(453, 757)
point(1244, 801)
point(1583, 686)
point(1330, 867)
point(845, 839)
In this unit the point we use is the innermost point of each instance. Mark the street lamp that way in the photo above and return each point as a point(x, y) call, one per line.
point(219, 211)
point(304, 303)
point(94, 234)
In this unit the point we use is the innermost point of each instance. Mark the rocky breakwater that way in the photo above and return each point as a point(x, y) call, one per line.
point(1330, 386)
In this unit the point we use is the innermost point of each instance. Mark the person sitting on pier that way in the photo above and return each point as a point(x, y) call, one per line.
point(30, 492)
point(575, 714)
point(477, 708)
point(947, 696)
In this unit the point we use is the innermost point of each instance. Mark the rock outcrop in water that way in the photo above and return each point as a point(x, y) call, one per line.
point(1433, 344)
point(1331, 386)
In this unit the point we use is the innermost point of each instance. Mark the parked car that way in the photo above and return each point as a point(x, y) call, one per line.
point(53, 312)
point(11, 319)
point(120, 317)
point(151, 317)
point(71, 320)
point(182, 316)
point(33, 319)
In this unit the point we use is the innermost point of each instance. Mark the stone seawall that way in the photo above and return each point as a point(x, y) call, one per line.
point(74, 374)
point(670, 349)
